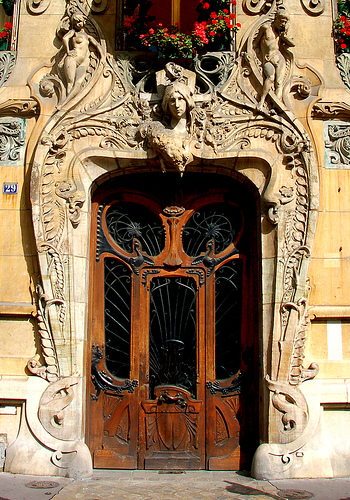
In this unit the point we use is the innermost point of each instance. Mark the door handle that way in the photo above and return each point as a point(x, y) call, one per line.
point(165, 397)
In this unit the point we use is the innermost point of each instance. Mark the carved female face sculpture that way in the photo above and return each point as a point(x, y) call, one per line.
point(177, 100)
point(177, 105)
point(78, 21)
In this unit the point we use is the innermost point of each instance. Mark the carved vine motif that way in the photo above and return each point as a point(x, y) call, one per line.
point(50, 371)
point(338, 145)
point(7, 63)
point(11, 139)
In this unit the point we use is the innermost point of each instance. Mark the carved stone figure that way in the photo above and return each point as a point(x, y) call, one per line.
point(272, 41)
point(76, 44)
point(171, 140)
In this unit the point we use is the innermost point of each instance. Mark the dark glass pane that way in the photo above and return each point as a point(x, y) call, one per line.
point(228, 292)
point(218, 221)
point(173, 333)
point(126, 221)
point(117, 317)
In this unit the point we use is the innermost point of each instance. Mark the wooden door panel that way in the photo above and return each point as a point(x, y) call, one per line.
point(117, 432)
point(223, 432)
point(174, 436)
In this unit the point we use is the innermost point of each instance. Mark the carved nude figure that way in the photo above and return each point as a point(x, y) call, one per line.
point(76, 44)
point(172, 140)
point(273, 41)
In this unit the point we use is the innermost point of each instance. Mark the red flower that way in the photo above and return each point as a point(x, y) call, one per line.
point(342, 18)
point(8, 26)
point(238, 25)
point(151, 31)
point(214, 21)
point(206, 6)
point(173, 36)
point(230, 26)
point(232, 15)
point(211, 33)
point(160, 25)
point(225, 10)
point(343, 30)
point(233, 2)
point(213, 15)
point(221, 17)
point(343, 46)
point(227, 20)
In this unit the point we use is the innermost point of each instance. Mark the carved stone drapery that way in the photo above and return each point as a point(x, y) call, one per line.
point(97, 128)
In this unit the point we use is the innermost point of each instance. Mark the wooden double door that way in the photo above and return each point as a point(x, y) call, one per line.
point(172, 382)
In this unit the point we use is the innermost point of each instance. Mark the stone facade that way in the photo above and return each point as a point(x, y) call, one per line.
point(273, 115)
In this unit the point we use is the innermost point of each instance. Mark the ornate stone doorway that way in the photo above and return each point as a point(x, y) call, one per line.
point(174, 323)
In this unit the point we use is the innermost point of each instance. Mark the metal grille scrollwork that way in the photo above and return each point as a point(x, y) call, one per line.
point(218, 222)
point(117, 286)
point(173, 333)
point(228, 321)
point(129, 221)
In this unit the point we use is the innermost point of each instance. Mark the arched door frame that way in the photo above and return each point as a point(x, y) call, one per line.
point(70, 263)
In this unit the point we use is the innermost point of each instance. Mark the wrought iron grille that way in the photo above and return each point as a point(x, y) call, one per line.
point(126, 221)
point(228, 306)
point(117, 287)
point(220, 222)
point(173, 333)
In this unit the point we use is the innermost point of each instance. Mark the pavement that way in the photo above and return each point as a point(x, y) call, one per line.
point(168, 485)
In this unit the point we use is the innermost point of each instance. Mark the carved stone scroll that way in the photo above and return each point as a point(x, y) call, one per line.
point(37, 6)
point(255, 7)
point(313, 7)
point(55, 411)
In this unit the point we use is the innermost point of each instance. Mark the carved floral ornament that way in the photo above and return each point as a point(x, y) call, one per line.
point(101, 107)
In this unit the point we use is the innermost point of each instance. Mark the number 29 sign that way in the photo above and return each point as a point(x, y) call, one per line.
point(10, 188)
